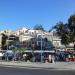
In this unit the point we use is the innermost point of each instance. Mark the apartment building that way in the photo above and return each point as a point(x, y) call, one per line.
point(28, 34)
point(25, 35)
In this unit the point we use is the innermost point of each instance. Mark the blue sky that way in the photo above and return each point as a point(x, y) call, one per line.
point(15, 14)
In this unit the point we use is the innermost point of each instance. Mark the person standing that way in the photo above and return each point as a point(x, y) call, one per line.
point(49, 58)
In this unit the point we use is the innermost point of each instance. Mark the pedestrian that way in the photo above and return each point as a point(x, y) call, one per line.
point(24, 56)
point(69, 57)
point(49, 58)
point(53, 58)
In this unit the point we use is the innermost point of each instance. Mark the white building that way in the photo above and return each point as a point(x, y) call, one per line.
point(25, 34)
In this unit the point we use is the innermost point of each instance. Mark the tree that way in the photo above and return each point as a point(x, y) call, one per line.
point(62, 32)
point(71, 26)
point(66, 31)
point(38, 27)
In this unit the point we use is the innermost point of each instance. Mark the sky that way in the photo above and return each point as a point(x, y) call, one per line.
point(16, 14)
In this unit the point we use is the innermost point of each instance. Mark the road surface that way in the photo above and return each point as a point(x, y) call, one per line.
point(22, 71)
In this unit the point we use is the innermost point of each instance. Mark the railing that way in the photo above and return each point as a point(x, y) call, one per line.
point(35, 51)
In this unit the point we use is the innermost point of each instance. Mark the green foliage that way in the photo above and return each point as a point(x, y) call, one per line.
point(71, 22)
point(66, 31)
point(19, 49)
point(71, 26)
point(62, 31)
point(38, 27)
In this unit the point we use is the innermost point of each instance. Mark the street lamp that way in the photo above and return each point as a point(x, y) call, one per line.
point(41, 47)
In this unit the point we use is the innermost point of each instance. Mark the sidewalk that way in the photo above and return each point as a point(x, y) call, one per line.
point(56, 65)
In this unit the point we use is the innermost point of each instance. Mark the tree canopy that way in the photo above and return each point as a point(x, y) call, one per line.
point(38, 27)
point(71, 26)
point(66, 31)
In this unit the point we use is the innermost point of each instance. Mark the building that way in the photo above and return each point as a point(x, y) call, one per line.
point(26, 37)
point(0, 41)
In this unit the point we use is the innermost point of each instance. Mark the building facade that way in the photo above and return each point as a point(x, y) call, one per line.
point(49, 40)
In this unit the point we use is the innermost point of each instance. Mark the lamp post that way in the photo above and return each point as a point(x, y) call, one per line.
point(33, 52)
point(7, 49)
point(41, 47)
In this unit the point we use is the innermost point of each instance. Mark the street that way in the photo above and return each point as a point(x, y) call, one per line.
point(21, 71)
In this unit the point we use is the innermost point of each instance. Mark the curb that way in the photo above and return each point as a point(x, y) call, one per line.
point(17, 66)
